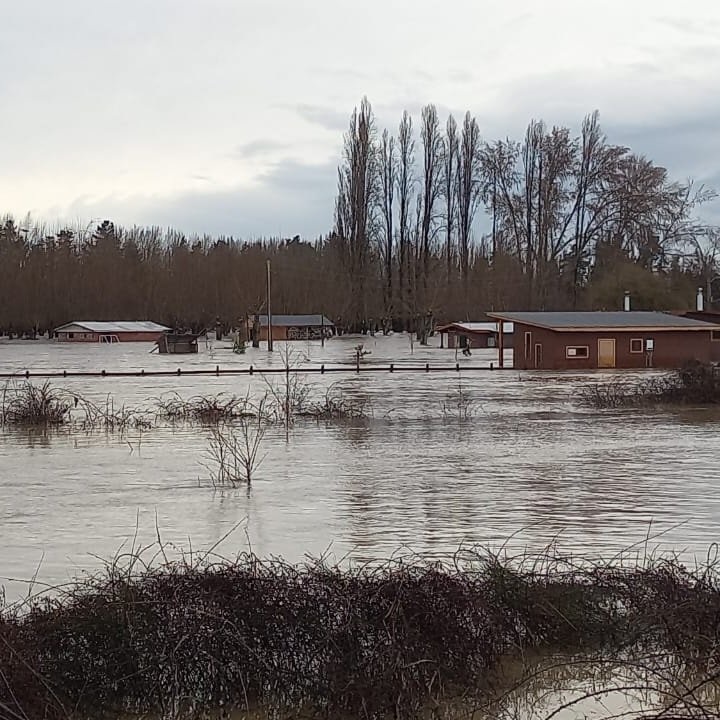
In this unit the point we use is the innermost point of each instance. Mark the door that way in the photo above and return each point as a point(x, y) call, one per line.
point(606, 353)
point(538, 355)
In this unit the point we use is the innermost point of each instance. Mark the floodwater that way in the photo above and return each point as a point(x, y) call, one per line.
point(530, 465)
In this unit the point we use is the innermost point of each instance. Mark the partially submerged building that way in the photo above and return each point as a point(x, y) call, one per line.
point(109, 332)
point(293, 327)
point(624, 339)
point(458, 335)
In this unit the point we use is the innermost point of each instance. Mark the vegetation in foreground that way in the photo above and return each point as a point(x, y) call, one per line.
point(694, 384)
point(391, 640)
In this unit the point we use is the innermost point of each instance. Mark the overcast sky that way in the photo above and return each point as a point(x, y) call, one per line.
point(226, 116)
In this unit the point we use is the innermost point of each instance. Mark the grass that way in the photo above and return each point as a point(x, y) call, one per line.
point(390, 640)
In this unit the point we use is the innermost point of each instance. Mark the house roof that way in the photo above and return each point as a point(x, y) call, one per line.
point(114, 327)
point(296, 321)
point(477, 327)
point(596, 321)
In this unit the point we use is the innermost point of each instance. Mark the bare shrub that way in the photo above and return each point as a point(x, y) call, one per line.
point(389, 639)
point(694, 384)
point(28, 404)
point(111, 418)
point(233, 454)
point(336, 405)
point(287, 397)
point(201, 409)
point(459, 404)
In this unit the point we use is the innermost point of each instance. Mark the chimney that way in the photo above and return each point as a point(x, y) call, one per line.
point(626, 305)
point(700, 301)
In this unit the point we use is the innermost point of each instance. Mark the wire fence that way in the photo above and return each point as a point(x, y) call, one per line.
point(252, 370)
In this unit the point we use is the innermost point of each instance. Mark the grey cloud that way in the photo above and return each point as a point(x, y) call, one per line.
point(705, 27)
point(258, 148)
point(326, 117)
point(292, 198)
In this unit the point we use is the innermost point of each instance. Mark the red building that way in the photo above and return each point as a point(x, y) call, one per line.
point(109, 332)
point(293, 327)
point(626, 339)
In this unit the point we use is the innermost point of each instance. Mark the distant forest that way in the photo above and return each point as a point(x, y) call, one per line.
point(429, 218)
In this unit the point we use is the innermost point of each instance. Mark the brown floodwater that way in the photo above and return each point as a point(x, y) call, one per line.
point(530, 465)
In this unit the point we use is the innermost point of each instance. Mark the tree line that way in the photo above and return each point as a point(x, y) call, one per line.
point(430, 221)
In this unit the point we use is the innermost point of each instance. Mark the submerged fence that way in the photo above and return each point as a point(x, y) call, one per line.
point(252, 370)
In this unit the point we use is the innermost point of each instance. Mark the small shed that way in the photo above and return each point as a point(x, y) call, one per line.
point(177, 343)
point(625, 339)
point(109, 332)
point(474, 334)
point(295, 327)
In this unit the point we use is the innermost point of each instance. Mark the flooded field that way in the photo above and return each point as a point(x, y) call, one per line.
point(527, 465)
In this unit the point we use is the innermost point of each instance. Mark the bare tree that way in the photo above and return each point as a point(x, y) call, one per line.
point(451, 150)
point(468, 190)
point(432, 143)
point(357, 188)
point(388, 171)
point(405, 190)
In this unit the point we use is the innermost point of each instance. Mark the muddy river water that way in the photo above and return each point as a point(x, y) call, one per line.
point(527, 465)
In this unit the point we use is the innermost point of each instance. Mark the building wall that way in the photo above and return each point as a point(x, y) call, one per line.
point(477, 339)
point(672, 349)
point(90, 337)
point(282, 332)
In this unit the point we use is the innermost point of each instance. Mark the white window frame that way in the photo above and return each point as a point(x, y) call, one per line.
point(573, 355)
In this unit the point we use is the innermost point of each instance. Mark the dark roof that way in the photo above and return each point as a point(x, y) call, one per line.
point(296, 321)
point(620, 320)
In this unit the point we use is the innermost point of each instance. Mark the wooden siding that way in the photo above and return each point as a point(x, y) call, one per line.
point(672, 348)
point(92, 337)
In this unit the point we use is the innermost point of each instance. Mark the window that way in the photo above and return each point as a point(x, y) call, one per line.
point(528, 344)
point(636, 345)
point(576, 351)
point(715, 334)
point(71, 335)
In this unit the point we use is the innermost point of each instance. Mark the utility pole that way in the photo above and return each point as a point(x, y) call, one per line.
point(269, 312)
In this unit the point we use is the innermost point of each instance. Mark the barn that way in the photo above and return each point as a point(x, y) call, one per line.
point(109, 332)
point(475, 334)
point(294, 327)
point(624, 339)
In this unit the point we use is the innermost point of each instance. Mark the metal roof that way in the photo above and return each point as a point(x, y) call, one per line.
point(296, 321)
point(115, 327)
point(483, 327)
point(619, 320)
